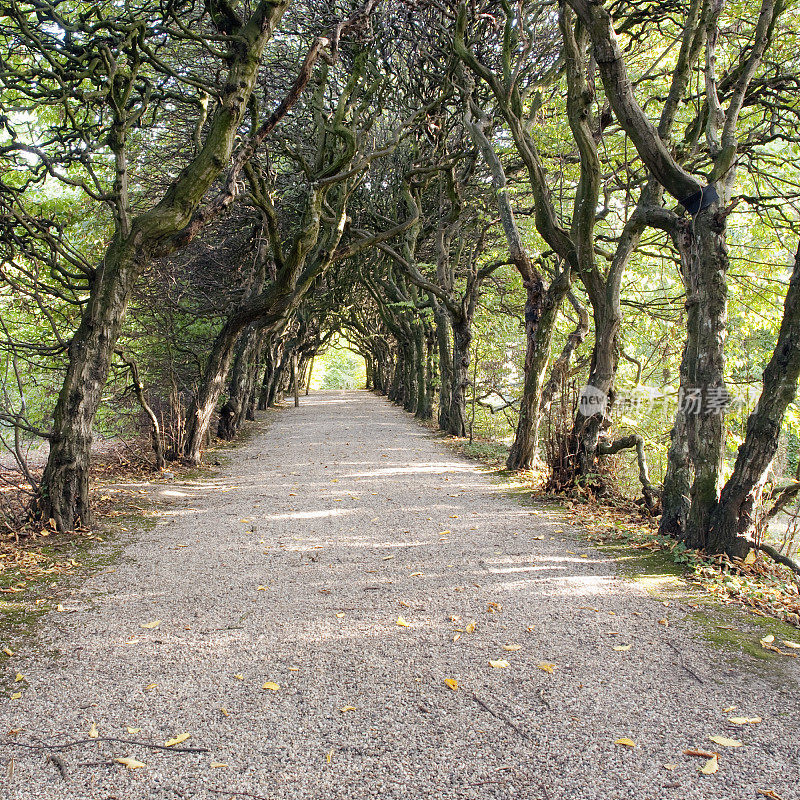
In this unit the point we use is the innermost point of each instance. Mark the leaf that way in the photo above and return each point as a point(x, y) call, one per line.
point(60, 607)
point(150, 686)
point(499, 664)
point(133, 730)
point(329, 756)
point(239, 676)
point(547, 667)
point(271, 685)
point(744, 720)
point(8, 651)
point(452, 683)
point(93, 734)
point(699, 753)
point(470, 627)
point(750, 558)
point(130, 763)
point(670, 766)
point(416, 575)
point(216, 764)
point(625, 742)
point(512, 648)
point(340, 614)
point(181, 737)
point(724, 741)
point(347, 708)
point(150, 625)
point(711, 766)
point(261, 588)
point(20, 677)
point(768, 639)
point(791, 645)
point(402, 623)
point(16, 695)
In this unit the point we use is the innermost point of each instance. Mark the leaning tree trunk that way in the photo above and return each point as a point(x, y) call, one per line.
point(443, 328)
point(232, 413)
point(732, 517)
point(64, 488)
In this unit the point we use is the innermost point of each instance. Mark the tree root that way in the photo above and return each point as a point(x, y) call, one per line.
point(777, 556)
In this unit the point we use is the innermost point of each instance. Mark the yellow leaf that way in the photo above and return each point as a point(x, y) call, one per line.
point(724, 741)
point(150, 686)
point(182, 737)
point(444, 533)
point(791, 645)
point(664, 622)
point(744, 720)
point(402, 623)
point(93, 734)
point(622, 647)
point(626, 742)
point(728, 709)
point(215, 764)
point(387, 558)
point(340, 614)
point(456, 637)
point(416, 575)
point(512, 648)
point(150, 625)
point(329, 756)
point(670, 766)
point(499, 664)
point(16, 695)
point(547, 667)
point(452, 683)
point(8, 651)
point(20, 677)
point(470, 627)
point(133, 730)
point(271, 685)
point(130, 763)
point(711, 766)
point(769, 639)
point(347, 708)
point(59, 607)
point(750, 557)
point(224, 712)
point(239, 676)
point(261, 589)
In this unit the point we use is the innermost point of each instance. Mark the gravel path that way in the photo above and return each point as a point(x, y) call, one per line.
point(293, 566)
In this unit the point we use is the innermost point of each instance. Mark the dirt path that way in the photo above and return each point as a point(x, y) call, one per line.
point(294, 565)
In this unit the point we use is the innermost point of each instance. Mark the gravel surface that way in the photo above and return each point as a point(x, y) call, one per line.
point(294, 564)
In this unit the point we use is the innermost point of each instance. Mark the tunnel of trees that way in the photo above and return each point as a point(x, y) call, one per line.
point(569, 227)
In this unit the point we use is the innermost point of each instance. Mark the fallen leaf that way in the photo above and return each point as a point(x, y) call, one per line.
point(750, 558)
point(20, 677)
point(452, 683)
point(16, 695)
point(329, 756)
point(744, 720)
point(416, 575)
point(347, 708)
point(769, 793)
point(181, 737)
point(224, 712)
point(470, 627)
point(729, 709)
point(769, 639)
point(547, 667)
point(340, 614)
point(664, 622)
point(626, 742)
point(791, 645)
point(8, 651)
point(512, 648)
point(93, 734)
point(670, 766)
point(699, 753)
point(711, 766)
point(499, 664)
point(239, 676)
point(150, 625)
point(261, 589)
point(271, 685)
point(402, 623)
point(133, 730)
point(456, 637)
point(150, 686)
point(621, 647)
point(387, 558)
point(130, 763)
point(60, 607)
point(725, 741)
point(216, 764)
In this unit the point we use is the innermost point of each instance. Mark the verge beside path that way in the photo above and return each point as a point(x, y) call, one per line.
point(295, 564)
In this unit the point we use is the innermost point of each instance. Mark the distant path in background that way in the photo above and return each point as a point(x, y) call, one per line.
point(350, 563)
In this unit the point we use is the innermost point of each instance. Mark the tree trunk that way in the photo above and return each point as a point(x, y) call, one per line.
point(732, 517)
point(462, 339)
